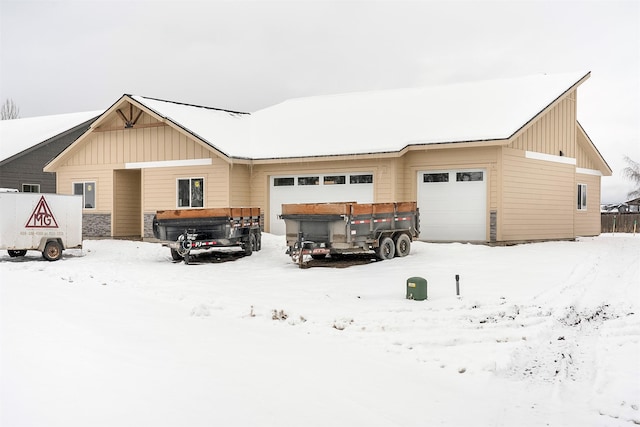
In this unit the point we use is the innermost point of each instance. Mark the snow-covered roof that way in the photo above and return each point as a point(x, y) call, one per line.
point(372, 122)
point(388, 121)
point(222, 129)
point(18, 135)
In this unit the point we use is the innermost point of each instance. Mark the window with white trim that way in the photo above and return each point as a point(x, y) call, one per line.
point(361, 179)
point(283, 182)
point(469, 176)
point(582, 197)
point(436, 177)
point(308, 180)
point(30, 188)
point(190, 192)
point(88, 192)
point(334, 179)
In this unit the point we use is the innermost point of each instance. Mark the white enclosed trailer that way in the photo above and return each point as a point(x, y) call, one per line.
point(49, 223)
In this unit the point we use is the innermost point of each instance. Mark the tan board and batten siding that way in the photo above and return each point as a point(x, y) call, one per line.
point(127, 203)
point(537, 197)
point(110, 147)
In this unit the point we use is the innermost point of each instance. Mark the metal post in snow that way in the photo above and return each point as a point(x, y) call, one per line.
point(458, 284)
point(300, 239)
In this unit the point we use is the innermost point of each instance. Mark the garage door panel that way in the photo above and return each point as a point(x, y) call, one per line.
point(333, 187)
point(452, 205)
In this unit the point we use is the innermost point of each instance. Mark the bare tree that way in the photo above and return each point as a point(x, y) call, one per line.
point(632, 173)
point(9, 110)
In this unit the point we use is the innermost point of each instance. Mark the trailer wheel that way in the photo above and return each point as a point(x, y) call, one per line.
point(52, 251)
point(13, 253)
point(175, 255)
point(387, 249)
point(403, 245)
point(250, 245)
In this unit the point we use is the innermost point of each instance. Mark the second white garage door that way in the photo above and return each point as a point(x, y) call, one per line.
point(453, 205)
point(316, 188)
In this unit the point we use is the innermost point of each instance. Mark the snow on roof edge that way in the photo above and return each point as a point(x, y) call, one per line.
point(27, 133)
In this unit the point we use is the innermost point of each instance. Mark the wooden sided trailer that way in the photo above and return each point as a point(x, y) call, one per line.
point(187, 230)
point(321, 229)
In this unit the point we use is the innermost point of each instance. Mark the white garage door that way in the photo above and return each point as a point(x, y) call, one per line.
point(316, 188)
point(453, 205)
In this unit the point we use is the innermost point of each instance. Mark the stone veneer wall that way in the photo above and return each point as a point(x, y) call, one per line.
point(148, 225)
point(96, 225)
point(493, 226)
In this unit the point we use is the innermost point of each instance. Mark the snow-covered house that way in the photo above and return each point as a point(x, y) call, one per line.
point(27, 145)
point(490, 161)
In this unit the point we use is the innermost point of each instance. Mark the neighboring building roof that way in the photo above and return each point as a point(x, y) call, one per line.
point(634, 202)
point(18, 135)
point(372, 122)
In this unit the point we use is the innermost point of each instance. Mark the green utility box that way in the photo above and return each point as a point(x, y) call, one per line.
point(417, 288)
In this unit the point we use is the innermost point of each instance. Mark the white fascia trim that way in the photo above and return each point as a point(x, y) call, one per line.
point(588, 171)
point(168, 164)
point(550, 158)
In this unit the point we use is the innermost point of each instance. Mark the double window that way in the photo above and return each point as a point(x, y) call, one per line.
point(191, 192)
point(582, 197)
point(30, 188)
point(87, 190)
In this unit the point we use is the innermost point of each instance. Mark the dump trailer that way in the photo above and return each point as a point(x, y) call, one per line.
point(321, 229)
point(188, 230)
point(48, 223)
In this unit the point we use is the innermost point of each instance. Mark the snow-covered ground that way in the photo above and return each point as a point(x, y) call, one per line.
point(117, 334)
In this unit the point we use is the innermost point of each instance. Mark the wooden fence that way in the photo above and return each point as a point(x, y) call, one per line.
point(623, 222)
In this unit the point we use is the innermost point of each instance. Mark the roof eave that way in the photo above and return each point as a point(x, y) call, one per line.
point(412, 146)
point(608, 171)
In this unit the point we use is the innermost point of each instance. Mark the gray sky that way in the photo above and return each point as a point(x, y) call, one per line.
point(71, 56)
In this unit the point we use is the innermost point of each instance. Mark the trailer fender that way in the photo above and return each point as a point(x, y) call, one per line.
point(45, 240)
